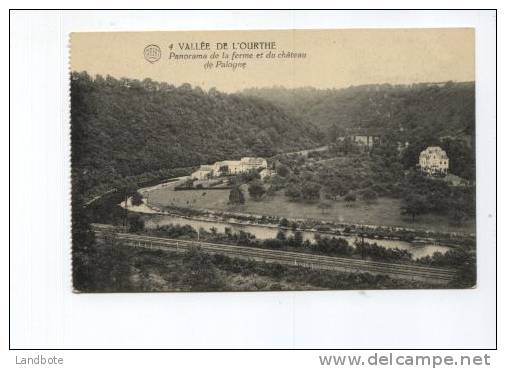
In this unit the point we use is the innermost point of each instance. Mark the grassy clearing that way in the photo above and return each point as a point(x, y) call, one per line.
point(384, 212)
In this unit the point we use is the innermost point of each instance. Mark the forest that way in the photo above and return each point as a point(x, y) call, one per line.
point(407, 119)
point(429, 109)
point(123, 128)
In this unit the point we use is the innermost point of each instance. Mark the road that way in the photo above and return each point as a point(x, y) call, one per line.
point(404, 271)
point(305, 152)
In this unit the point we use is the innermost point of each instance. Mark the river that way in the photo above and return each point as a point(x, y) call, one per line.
point(265, 232)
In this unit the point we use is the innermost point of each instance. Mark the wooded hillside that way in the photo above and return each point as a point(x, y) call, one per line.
point(430, 109)
point(125, 127)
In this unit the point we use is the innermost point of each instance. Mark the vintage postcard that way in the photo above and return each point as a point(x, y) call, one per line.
point(273, 160)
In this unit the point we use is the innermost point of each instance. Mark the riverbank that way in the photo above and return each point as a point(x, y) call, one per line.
point(384, 212)
point(406, 238)
point(267, 233)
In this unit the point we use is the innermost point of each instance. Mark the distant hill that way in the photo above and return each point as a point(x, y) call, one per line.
point(435, 109)
point(126, 127)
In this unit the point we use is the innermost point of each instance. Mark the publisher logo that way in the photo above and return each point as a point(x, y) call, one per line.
point(152, 53)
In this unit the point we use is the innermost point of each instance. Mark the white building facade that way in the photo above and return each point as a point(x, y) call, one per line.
point(229, 167)
point(366, 140)
point(204, 172)
point(433, 161)
point(250, 163)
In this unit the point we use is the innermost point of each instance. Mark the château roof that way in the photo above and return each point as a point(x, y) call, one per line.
point(434, 150)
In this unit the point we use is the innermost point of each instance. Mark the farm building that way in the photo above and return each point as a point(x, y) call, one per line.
point(265, 173)
point(229, 167)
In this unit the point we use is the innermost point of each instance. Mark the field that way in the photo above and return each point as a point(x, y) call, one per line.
point(384, 212)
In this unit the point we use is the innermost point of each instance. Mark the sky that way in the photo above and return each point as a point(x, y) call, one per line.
point(334, 58)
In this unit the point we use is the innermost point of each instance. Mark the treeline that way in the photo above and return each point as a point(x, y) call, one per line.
point(285, 276)
point(463, 261)
point(412, 116)
point(124, 127)
point(422, 195)
point(126, 269)
point(329, 246)
point(425, 108)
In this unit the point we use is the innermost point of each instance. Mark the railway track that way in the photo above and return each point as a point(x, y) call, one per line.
point(413, 272)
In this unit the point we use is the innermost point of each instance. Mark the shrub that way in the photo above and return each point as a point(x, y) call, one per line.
point(284, 222)
point(135, 223)
point(236, 196)
point(293, 192)
point(256, 190)
point(369, 195)
point(350, 197)
point(136, 198)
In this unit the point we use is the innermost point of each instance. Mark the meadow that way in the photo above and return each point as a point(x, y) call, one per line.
point(383, 212)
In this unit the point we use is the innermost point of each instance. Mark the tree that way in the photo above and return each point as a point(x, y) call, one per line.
point(414, 205)
point(281, 235)
point(350, 197)
point(462, 158)
point(310, 191)
point(84, 248)
point(284, 222)
point(369, 196)
point(256, 190)
point(202, 274)
point(282, 170)
point(458, 211)
point(236, 196)
point(128, 188)
point(293, 192)
point(324, 205)
point(466, 271)
point(271, 191)
point(136, 199)
point(135, 222)
point(249, 176)
point(298, 239)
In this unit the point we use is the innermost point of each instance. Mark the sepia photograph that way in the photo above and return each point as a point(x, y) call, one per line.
point(273, 160)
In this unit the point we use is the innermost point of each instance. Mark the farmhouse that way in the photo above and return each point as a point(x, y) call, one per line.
point(204, 172)
point(226, 167)
point(366, 140)
point(265, 173)
point(433, 160)
point(229, 167)
point(364, 137)
point(249, 163)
